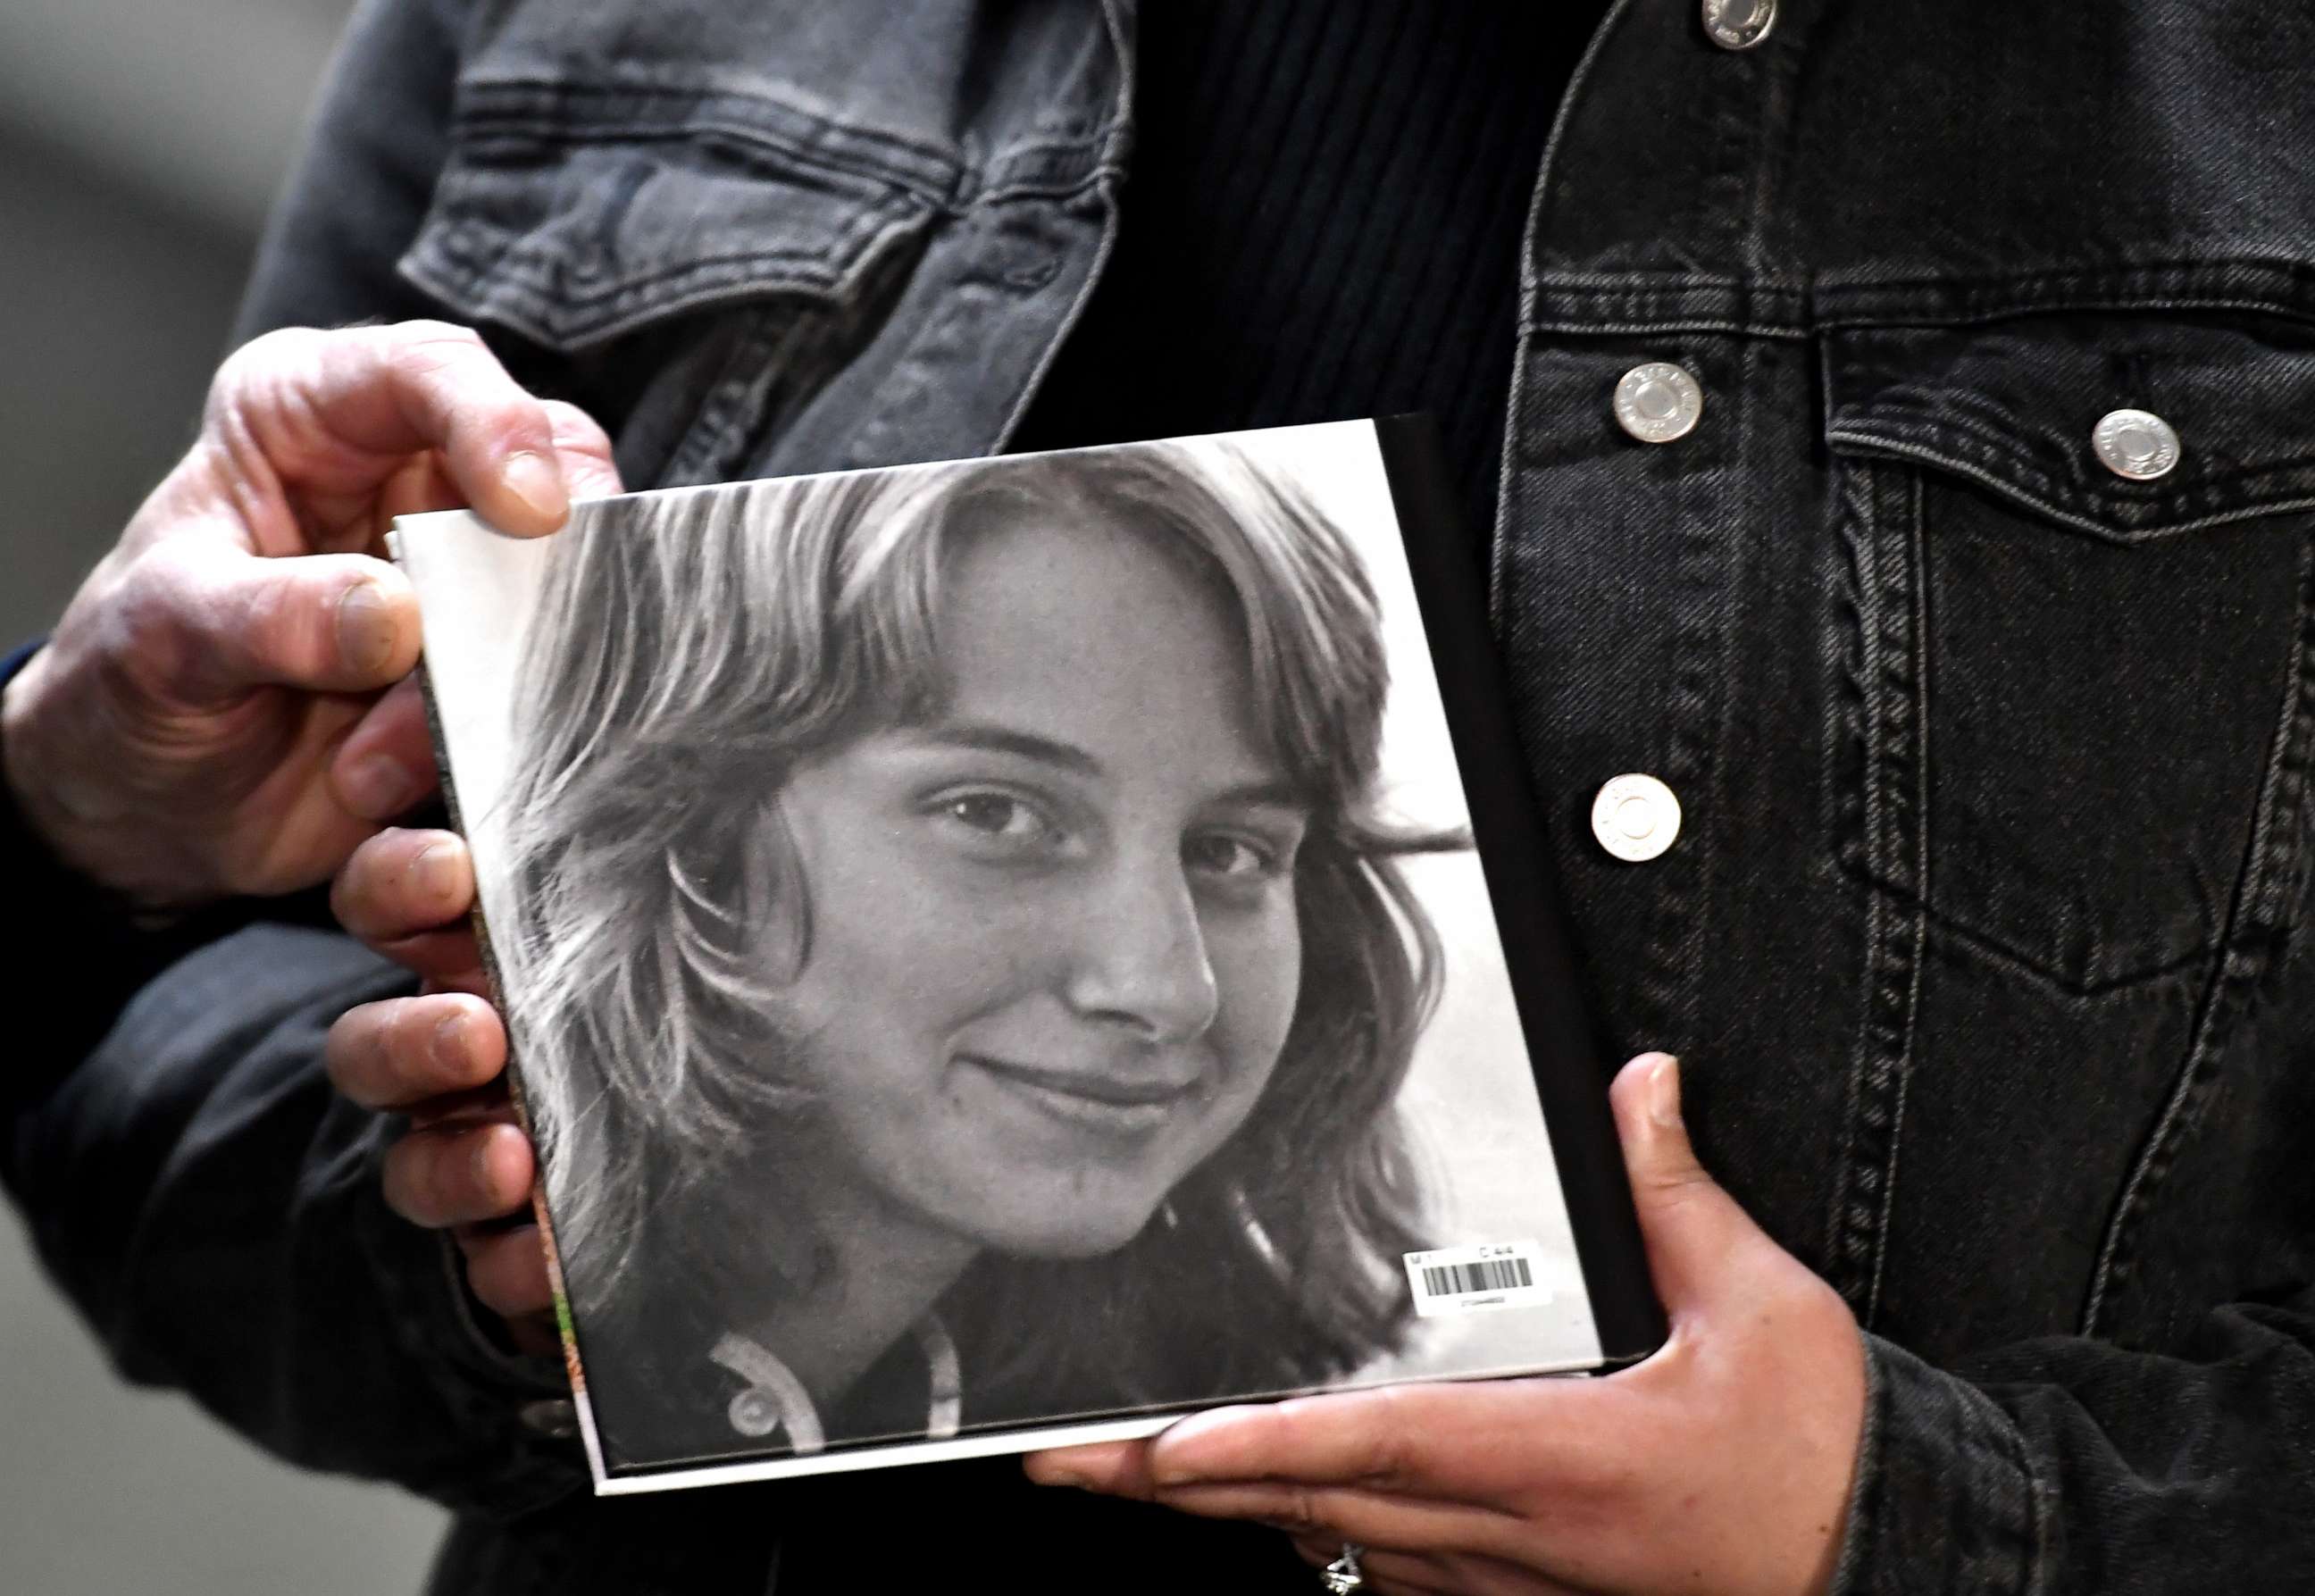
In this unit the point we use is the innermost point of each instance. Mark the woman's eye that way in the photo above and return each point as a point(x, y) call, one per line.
point(1235, 858)
point(999, 826)
point(994, 814)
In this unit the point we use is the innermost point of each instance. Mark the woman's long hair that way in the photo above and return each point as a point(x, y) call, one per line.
point(678, 671)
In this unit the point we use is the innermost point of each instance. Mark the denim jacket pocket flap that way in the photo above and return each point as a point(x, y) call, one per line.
point(2013, 407)
point(2082, 684)
point(573, 214)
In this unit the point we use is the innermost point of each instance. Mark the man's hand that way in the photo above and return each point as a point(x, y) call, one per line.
point(1722, 1464)
point(205, 720)
point(440, 1057)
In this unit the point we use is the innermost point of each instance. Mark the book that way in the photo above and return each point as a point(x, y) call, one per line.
point(1005, 953)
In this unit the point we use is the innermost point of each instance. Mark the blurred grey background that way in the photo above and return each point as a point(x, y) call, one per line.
point(139, 146)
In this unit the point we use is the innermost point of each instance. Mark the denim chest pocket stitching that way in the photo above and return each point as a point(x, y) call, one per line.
point(574, 217)
point(733, 250)
point(2012, 406)
point(2078, 681)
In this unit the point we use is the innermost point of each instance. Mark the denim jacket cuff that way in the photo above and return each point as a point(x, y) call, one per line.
point(518, 1445)
point(1944, 1497)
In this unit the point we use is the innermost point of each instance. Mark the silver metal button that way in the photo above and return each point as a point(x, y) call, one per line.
point(1636, 816)
point(1739, 24)
point(2135, 444)
point(551, 1416)
point(1658, 402)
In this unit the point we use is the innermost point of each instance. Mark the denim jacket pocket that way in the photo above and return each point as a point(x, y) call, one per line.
point(2076, 693)
point(724, 245)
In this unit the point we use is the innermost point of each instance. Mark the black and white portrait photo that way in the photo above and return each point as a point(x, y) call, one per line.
point(993, 946)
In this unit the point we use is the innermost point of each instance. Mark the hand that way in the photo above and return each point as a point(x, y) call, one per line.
point(1722, 1463)
point(465, 1166)
point(204, 720)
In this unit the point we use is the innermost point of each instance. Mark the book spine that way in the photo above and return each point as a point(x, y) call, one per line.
point(1509, 826)
point(494, 976)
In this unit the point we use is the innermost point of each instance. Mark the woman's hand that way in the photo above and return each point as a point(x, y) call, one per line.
point(1722, 1464)
point(465, 1166)
point(204, 719)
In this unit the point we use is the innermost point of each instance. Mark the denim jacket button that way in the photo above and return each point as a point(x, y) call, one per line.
point(1658, 402)
point(2136, 445)
point(1739, 24)
point(1636, 816)
point(552, 1416)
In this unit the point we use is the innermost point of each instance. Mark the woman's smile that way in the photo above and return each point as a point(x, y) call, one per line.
point(1125, 1099)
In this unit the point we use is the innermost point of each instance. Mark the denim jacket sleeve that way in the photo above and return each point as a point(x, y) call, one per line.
point(88, 946)
point(216, 1213)
point(2069, 1466)
point(193, 1182)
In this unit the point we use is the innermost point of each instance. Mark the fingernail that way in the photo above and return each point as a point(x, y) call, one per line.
point(1049, 1473)
point(366, 628)
point(1664, 1092)
point(450, 1041)
point(534, 480)
point(435, 871)
point(377, 787)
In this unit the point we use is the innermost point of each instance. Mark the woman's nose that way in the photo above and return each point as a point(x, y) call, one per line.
point(1140, 956)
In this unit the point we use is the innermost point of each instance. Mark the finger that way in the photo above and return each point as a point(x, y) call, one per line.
point(338, 414)
point(1115, 1467)
point(403, 1051)
point(1695, 1233)
point(581, 448)
point(486, 1104)
point(507, 1269)
point(210, 622)
point(386, 765)
point(1383, 1584)
point(1371, 1518)
point(419, 488)
point(401, 882)
point(536, 1335)
point(458, 1175)
point(458, 966)
point(1314, 1548)
point(1453, 1441)
point(450, 959)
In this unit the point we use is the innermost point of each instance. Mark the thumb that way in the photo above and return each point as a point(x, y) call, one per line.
point(1695, 1232)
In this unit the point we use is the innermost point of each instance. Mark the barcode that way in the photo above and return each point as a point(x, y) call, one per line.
point(1490, 1274)
point(1481, 1278)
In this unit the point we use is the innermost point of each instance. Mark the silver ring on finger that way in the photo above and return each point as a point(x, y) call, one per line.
point(1343, 1576)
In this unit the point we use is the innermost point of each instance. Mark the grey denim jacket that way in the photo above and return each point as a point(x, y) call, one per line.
point(1984, 943)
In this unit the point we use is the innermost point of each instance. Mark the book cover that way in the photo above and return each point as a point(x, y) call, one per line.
point(1009, 951)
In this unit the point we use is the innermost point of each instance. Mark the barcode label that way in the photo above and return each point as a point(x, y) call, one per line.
point(1475, 1279)
point(1489, 1274)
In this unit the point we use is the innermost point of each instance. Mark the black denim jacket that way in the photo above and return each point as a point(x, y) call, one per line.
point(1984, 938)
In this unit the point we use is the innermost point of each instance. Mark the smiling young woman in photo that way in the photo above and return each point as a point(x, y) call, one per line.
point(957, 975)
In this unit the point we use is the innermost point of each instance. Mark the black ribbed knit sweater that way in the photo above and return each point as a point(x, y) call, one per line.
point(1321, 221)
